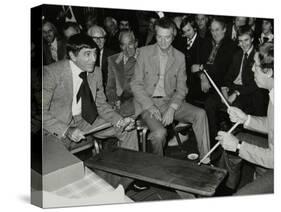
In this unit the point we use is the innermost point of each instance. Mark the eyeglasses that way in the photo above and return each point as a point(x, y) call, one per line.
point(98, 38)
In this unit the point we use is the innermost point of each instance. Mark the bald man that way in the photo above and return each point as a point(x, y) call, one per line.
point(98, 34)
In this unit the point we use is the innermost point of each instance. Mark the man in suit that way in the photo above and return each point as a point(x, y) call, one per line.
point(53, 47)
point(121, 68)
point(191, 49)
point(98, 34)
point(74, 102)
point(159, 88)
point(263, 69)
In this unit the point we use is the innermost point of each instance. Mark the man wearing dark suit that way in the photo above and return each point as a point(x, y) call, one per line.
point(159, 88)
point(98, 34)
point(216, 57)
point(74, 102)
point(53, 47)
point(121, 69)
point(191, 49)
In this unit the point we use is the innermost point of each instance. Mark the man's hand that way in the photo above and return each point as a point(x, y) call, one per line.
point(126, 124)
point(228, 141)
point(168, 116)
point(75, 134)
point(155, 112)
point(195, 68)
point(232, 98)
point(237, 115)
point(205, 85)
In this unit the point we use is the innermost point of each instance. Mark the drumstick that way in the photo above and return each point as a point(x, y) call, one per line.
point(217, 144)
point(99, 128)
point(216, 88)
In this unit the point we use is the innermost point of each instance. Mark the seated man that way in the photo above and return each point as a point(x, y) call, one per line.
point(53, 47)
point(262, 157)
point(159, 88)
point(74, 102)
point(121, 68)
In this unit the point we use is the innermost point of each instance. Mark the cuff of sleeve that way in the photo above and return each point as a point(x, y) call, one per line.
point(174, 106)
point(247, 122)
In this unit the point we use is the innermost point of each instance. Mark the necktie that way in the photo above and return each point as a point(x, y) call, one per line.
point(244, 65)
point(89, 108)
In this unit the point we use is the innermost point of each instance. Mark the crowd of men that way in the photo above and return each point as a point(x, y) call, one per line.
point(118, 70)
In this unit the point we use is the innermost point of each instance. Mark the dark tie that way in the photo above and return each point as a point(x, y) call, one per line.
point(244, 62)
point(89, 108)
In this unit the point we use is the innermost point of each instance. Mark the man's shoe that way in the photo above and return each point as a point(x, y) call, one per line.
point(138, 186)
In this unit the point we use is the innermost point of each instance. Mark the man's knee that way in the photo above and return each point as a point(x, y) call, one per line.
point(159, 135)
point(200, 114)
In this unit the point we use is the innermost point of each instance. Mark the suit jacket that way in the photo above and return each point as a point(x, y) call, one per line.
point(58, 96)
point(146, 77)
point(248, 83)
point(47, 55)
point(106, 53)
point(118, 84)
point(222, 61)
point(258, 155)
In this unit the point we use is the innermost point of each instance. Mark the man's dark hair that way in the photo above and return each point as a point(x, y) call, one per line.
point(266, 56)
point(189, 20)
point(246, 29)
point(220, 20)
point(165, 23)
point(80, 41)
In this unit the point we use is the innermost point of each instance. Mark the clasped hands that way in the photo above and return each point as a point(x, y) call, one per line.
point(168, 116)
point(228, 141)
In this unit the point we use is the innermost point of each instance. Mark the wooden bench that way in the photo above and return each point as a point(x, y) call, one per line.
point(173, 173)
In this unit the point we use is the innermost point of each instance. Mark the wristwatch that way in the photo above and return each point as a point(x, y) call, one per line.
point(238, 147)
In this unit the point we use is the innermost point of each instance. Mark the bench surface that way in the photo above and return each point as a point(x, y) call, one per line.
point(173, 173)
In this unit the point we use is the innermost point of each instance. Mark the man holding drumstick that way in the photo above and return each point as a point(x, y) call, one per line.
point(264, 157)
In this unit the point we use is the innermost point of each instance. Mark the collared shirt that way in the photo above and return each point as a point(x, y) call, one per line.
point(77, 81)
point(54, 49)
point(238, 80)
point(101, 55)
point(160, 87)
point(191, 41)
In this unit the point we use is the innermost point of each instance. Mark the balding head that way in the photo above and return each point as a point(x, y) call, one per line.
point(98, 34)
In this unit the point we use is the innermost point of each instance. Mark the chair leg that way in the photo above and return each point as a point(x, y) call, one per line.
point(176, 133)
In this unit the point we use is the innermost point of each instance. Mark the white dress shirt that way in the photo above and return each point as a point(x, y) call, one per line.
point(77, 81)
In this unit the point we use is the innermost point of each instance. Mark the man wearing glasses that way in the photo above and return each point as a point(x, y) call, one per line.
point(98, 35)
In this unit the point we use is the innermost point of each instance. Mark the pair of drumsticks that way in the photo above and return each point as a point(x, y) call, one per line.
point(228, 106)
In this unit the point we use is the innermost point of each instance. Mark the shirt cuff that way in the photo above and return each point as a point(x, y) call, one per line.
point(174, 106)
point(247, 122)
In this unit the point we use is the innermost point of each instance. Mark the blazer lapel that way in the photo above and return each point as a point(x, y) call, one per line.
point(68, 79)
point(171, 60)
point(154, 60)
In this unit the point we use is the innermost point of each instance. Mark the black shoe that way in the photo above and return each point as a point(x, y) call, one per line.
point(138, 186)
